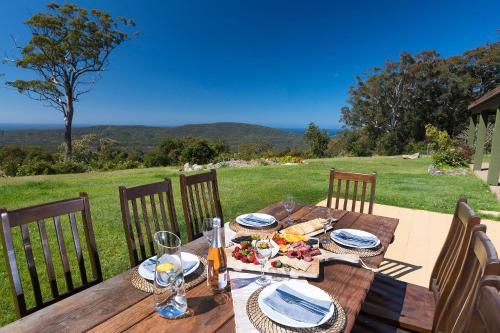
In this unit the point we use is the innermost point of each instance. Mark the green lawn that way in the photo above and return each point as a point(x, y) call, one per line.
point(401, 182)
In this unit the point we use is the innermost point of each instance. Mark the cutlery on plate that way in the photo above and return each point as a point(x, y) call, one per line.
point(303, 304)
point(284, 295)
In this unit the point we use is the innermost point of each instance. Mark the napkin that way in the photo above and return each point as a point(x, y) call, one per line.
point(297, 306)
point(257, 220)
point(355, 240)
point(188, 265)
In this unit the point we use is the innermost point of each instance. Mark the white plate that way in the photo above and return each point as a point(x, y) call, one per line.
point(357, 233)
point(147, 267)
point(240, 220)
point(306, 289)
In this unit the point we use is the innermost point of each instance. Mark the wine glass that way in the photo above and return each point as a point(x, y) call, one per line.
point(263, 254)
point(289, 204)
point(325, 223)
point(207, 228)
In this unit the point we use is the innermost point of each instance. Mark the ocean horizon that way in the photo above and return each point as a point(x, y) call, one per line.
point(26, 126)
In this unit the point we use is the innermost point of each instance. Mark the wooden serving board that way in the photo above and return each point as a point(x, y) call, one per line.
point(238, 265)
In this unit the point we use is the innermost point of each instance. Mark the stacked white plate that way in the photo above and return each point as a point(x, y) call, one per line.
point(147, 267)
point(354, 232)
point(269, 220)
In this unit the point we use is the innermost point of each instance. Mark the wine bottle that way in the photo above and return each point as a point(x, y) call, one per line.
point(217, 275)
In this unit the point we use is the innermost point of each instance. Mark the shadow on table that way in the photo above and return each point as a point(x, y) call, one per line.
point(201, 304)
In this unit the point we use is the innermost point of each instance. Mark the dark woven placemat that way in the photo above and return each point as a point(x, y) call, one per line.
point(236, 227)
point(263, 324)
point(363, 253)
point(190, 281)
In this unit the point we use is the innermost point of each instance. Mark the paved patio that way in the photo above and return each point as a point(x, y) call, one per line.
point(418, 240)
point(483, 175)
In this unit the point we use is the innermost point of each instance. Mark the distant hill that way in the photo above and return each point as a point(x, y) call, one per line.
point(147, 138)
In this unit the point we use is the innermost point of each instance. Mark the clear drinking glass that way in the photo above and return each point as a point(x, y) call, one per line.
point(263, 254)
point(207, 228)
point(169, 292)
point(289, 204)
point(329, 221)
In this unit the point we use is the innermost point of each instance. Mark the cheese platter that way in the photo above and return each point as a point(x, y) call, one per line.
point(293, 255)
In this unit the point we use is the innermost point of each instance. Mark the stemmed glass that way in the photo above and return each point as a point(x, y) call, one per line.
point(207, 227)
point(263, 254)
point(325, 223)
point(289, 204)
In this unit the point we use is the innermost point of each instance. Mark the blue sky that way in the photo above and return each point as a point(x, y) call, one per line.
point(278, 63)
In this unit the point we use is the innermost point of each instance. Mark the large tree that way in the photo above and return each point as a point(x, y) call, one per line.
point(317, 140)
point(69, 49)
point(392, 104)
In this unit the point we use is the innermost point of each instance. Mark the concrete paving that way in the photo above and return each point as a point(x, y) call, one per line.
point(418, 241)
point(483, 175)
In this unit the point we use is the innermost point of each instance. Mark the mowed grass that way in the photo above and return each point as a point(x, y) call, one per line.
point(400, 182)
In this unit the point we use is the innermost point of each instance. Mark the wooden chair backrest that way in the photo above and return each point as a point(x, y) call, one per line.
point(481, 260)
point(364, 179)
point(200, 199)
point(39, 214)
point(485, 316)
point(452, 256)
point(158, 213)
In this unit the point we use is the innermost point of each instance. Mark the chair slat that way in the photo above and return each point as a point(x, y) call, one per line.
point(198, 202)
point(78, 248)
point(363, 196)
point(211, 199)
point(63, 252)
point(11, 264)
point(196, 220)
point(154, 213)
point(31, 264)
point(147, 226)
point(346, 195)
point(138, 227)
point(48, 258)
point(337, 199)
point(204, 197)
point(354, 196)
point(163, 211)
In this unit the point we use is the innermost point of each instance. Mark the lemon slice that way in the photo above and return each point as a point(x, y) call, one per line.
point(166, 266)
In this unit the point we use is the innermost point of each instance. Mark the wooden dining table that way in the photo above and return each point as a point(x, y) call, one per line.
point(116, 306)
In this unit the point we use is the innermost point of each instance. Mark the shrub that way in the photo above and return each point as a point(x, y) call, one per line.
point(33, 168)
point(452, 157)
point(69, 167)
point(247, 151)
point(197, 150)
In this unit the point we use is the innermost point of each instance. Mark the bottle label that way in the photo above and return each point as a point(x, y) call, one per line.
point(222, 283)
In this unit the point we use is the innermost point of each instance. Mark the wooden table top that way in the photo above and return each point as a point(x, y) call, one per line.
point(116, 306)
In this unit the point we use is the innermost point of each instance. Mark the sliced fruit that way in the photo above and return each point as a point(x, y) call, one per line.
point(165, 267)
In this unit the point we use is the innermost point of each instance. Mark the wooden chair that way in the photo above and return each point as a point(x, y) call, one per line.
point(159, 198)
point(348, 177)
point(413, 307)
point(200, 199)
point(485, 315)
point(481, 260)
point(39, 214)
point(454, 313)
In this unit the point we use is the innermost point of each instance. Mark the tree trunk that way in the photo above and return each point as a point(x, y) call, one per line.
point(68, 121)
